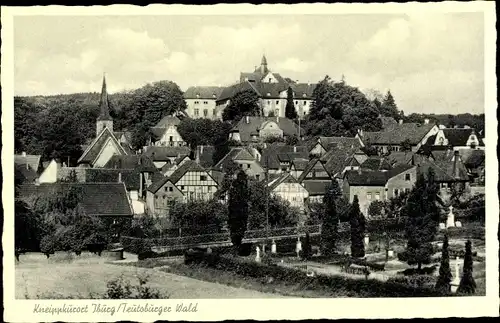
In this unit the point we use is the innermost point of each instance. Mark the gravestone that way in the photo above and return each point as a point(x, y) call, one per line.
point(442, 226)
point(367, 240)
point(458, 224)
point(450, 221)
point(390, 253)
point(456, 279)
point(273, 247)
point(257, 256)
point(298, 247)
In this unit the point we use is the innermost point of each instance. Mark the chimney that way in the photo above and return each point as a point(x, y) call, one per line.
point(277, 119)
point(426, 121)
point(400, 121)
point(119, 177)
point(247, 119)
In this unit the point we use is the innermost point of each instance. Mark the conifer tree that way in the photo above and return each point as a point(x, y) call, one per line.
point(238, 208)
point(329, 228)
point(388, 107)
point(307, 250)
point(358, 224)
point(467, 284)
point(444, 279)
point(422, 215)
point(290, 111)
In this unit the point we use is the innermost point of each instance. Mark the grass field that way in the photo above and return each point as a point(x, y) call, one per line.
point(64, 277)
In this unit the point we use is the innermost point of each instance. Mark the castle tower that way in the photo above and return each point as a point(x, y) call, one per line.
point(104, 120)
point(263, 65)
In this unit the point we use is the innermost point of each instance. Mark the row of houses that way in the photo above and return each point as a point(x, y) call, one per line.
point(166, 169)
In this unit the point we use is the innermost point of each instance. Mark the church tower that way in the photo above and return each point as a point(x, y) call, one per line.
point(263, 65)
point(104, 120)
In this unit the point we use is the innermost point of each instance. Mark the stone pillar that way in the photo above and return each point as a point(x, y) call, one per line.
point(450, 221)
point(456, 280)
point(298, 247)
point(367, 240)
point(273, 247)
point(257, 256)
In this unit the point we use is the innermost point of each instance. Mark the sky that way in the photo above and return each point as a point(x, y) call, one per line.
point(432, 63)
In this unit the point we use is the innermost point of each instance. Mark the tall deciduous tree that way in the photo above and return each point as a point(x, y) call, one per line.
point(444, 279)
point(388, 107)
point(238, 208)
point(358, 227)
point(290, 111)
point(467, 284)
point(422, 214)
point(243, 103)
point(330, 221)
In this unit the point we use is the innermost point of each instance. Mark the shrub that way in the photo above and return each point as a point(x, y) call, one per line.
point(48, 245)
point(119, 288)
point(352, 287)
point(415, 271)
point(415, 281)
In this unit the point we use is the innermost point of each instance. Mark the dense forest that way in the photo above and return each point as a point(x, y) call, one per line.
point(57, 126)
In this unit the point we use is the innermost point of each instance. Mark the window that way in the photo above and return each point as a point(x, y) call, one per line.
point(268, 102)
point(205, 112)
point(203, 178)
point(377, 196)
point(277, 102)
point(355, 196)
point(164, 196)
point(296, 102)
point(270, 80)
point(182, 187)
point(156, 197)
point(305, 102)
point(170, 189)
point(408, 177)
point(294, 199)
point(304, 113)
point(205, 102)
point(171, 138)
point(248, 165)
point(396, 192)
point(369, 196)
point(257, 177)
point(209, 188)
point(196, 102)
point(196, 112)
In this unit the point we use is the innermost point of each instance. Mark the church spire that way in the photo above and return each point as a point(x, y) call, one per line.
point(104, 104)
point(263, 65)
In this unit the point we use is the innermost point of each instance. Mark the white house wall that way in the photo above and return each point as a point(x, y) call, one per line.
point(293, 193)
point(194, 188)
point(49, 175)
point(109, 150)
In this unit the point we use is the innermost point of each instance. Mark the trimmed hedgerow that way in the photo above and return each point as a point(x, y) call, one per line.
point(350, 286)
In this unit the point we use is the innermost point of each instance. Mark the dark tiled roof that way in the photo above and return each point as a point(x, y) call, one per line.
point(255, 124)
point(299, 163)
point(365, 178)
point(206, 154)
point(139, 162)
point(314, 163)
point(316, 187)
point(337, 161)
point(284, 178)
point(188, 166)
point(472, 158)
point(204, 92)
point(230, 91)
point(445, 170)
point(407, 131)
point(301, 89)
point(33, 161)
point(164, 153)
point(168, 121)
point(399, 157)
point(339, 142)
point(376, 163)
point(96, 146)
point(101, 199)
point(270, 90)
point(25, 174)
point(270, 155)
point(459, 136)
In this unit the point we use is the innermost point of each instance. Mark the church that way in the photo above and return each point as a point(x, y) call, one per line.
point(107, 142)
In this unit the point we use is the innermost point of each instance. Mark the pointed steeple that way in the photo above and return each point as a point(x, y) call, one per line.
point(263, 65)
point(104, 104)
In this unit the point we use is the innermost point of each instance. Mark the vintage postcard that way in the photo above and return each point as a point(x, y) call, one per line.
point(246, 161)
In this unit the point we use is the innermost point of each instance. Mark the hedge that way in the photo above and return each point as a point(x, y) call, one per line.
point(351, 286)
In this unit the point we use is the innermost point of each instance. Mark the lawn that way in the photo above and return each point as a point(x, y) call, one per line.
point(65, 277)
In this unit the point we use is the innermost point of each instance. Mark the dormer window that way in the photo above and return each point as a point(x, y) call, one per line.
point(214, 96)
point(197, 96)
point(268, 94)
point(304, 95)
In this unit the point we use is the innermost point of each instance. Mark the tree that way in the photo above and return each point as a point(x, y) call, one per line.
point(422, 215)
point(290, 111)
point(376, 208)
point(358, 223)
point(330, 221)
point(291, 140)
point(238, 208)
point(444, 279)
point(243, 103)
point(406, 145)
point(451, 121)
point(388, 107)
point(467, 284)
point(307, 250)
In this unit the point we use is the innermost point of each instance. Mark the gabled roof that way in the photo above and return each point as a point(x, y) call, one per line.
point(230, 91)
point(284, 178)
point(255, 124)
point(130, 177)
point(25, 174)
point(141, 163)
point(100, 199)
point(93, 150)
point(316, 187)
point(237, 153)
point(33, 161)
point(413, 132)
point(330, 143)
point(205, 154)
point(270, 90)
point(299, 163)
point(399, 157)
point(314, 163)
point(376, 163)
point(338, 160)
point(164, 153)
point(303, 90)
point(270, 156)
point(168, 121)
point(365, 178)
point(445, 170)
point(472, 158)
point(188, 166)
point(459, 136)
point(203, 92)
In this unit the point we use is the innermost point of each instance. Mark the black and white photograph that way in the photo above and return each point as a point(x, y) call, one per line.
point(247, 155)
